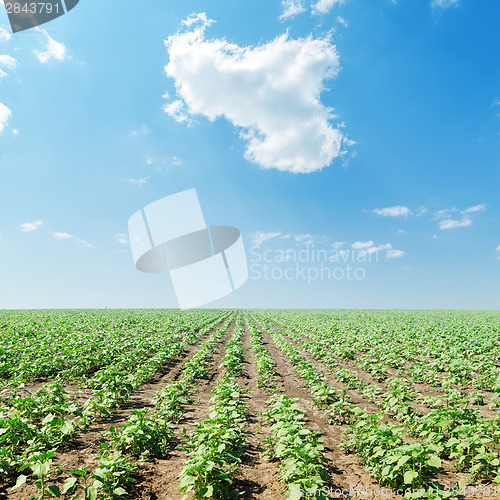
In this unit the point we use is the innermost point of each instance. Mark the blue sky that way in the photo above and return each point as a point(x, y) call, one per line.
point(364, 128)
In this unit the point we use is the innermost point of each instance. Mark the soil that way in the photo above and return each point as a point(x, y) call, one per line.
point(258, 476)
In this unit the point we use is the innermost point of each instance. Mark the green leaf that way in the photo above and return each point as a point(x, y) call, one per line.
point(41, 470)
point(209, 492)
point(90, 493)
point(410, 476)
point(68, 484)
point(434, 461)
point(20, 481)
point(119, 491)
point(54, 490)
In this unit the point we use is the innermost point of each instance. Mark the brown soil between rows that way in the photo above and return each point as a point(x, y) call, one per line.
point(422, 388)
point(85, 448)
point(448, 477)
point(346, 472)
point(160, 477)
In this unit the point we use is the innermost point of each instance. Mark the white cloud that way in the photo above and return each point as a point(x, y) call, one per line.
point(342, 21)
point(444, 4)
point(62, 236)
point(475, 209)
point(402, 231)
point(163, 164)
point(454, 223)
point(301, 238)
point(462, 218)
point(325, 6)
point(292, 8)
point(55, 50)
point(8, 62)
point(140, 182)
point(4, 35)
point(394, 254)
point(259, 237)
point(368, 248)
point(177, 111)
point(67, 236)
point(338, 244)
point(271, 92)
point(445, 212)
point(121, 238)
point(5, 114)
point(31, 226)
point(360, 245)
point(498, 248)
point(84, 243)
point(200, 18)
point(2, 74)
point(421, 211)
point(142, 131)
point(396, 211)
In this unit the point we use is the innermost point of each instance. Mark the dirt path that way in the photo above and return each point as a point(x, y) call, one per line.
point(257, 476)
point(345, 470)
point(161, 476)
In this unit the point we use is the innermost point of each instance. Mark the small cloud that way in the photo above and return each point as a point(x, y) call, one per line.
point(121, 238)
point(325, 6)
point(8, 62)
point(445, 212)
point(55, 50)
point(4, 35)
point(5, 114)
point(84, 243)
point(476, 208)
point(291, 8)
point(396, 211)
point(342, 21)
point(67, 236)
point(62, 236)
point(338, 244)
point(177, 111)
point(453, 218)
point(421, 211)
point(142, 131)
point(259, 237)
point(301, 238)
point(401, 231)
point(31, 226)
point(498, 248)
point(200, 18)
point(162, 164)
point(361, 245)
point(394, 254)
point(444, 4)
point(454, 223)
point(139, 182)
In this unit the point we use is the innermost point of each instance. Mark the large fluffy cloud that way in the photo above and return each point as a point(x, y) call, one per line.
point(270, 91)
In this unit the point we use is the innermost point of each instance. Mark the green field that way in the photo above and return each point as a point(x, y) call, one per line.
point(249, 404)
